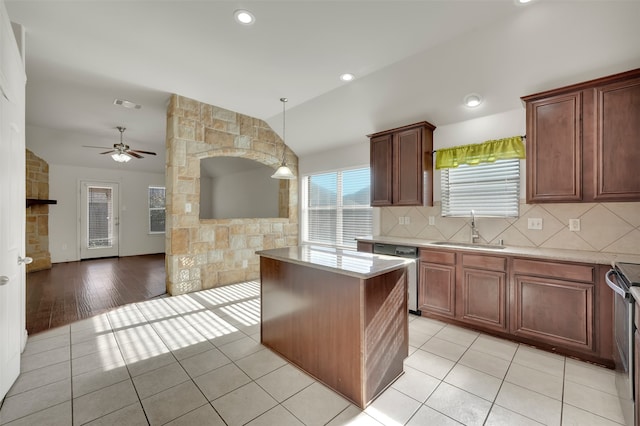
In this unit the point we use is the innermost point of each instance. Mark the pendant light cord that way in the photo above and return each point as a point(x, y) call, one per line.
point(284, 144)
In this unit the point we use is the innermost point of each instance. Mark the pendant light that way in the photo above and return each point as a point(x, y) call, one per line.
point(283, 172)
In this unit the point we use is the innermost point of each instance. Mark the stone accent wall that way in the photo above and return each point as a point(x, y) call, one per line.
point(37, 227)
point(203, 254)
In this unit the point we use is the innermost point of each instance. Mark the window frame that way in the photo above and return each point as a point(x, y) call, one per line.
point(304, 207)
point(150, 209)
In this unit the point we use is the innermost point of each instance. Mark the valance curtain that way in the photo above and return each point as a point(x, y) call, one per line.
point(486, 152)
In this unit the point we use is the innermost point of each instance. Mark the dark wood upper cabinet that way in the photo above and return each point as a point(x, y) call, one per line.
point(618, 141)
point(583, 141)
point(401, 166)
point(554, 149)
point(382, 170)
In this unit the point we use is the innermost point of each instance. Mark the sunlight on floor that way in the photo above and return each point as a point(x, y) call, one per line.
point(155, 327)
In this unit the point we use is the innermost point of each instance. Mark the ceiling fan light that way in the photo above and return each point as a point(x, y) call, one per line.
point(121, 157)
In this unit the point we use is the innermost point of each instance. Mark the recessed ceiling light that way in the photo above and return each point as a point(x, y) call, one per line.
point(244, 17)
point(472, 100)
point(347, 77)
point(522, 1)
point(126, 104)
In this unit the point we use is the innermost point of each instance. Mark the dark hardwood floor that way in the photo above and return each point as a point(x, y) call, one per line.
point(75, 290)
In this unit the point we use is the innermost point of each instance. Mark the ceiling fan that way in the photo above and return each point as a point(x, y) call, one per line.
point(121, 152)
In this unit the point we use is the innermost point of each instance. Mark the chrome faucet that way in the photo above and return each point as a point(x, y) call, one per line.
point(474, 230)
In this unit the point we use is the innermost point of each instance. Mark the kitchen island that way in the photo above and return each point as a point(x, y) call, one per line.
point(339, 315)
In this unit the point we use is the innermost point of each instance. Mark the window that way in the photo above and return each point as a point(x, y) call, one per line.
point(156, 209)
point(336, 207)
point(490, 189)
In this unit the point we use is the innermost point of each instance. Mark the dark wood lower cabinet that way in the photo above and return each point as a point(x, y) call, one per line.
point(364, 247)
point(483, 300)
point(437, 289)
point(565, 307)
point(556, 312)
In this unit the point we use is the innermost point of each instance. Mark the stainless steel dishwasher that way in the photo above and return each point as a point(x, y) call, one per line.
point(412, 276)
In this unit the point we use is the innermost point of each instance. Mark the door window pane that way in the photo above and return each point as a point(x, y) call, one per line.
point(100, 217)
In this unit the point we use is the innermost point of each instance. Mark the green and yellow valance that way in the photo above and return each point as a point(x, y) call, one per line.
point(486, 152)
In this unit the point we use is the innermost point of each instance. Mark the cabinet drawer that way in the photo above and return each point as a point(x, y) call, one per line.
point(491, 263)
point(443, 257)
point(569, 271)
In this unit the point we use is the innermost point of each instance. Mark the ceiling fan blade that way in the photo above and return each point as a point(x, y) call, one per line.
point(108, 152)
point(101, 147)
point(133, 154)
point(142, 152)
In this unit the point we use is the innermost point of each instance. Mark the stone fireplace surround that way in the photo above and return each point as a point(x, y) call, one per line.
point(202, 254)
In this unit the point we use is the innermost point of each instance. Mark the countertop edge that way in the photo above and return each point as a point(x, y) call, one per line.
point(398, 264)
point(582, 256)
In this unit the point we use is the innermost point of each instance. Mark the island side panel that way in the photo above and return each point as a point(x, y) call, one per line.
point(386, 330)
point(312, 318)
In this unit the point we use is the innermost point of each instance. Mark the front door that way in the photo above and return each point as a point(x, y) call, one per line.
point(12, 206)
point(99, 226)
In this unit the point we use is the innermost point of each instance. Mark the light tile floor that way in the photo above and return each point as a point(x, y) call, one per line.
point(196, 360)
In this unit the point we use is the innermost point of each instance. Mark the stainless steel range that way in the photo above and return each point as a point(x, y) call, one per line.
point(621, 278)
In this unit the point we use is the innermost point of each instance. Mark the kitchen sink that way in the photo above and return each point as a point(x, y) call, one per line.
point(469, 245)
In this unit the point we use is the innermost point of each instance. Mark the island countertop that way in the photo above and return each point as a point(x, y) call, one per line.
point(346, 262)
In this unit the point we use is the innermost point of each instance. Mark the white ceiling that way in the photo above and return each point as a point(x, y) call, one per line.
point(413, 61)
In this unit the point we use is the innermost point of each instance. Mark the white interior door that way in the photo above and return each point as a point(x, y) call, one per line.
point(12, 206)
point(99, 220)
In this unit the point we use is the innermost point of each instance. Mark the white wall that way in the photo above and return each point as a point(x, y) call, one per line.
point(496, 126)
point(349, 156)
point(64, 187)
point(249, 194)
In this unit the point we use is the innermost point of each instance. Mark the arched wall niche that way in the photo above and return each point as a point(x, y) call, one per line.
point(239, 187)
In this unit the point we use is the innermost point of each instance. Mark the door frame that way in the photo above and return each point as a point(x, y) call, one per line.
point(96, 182)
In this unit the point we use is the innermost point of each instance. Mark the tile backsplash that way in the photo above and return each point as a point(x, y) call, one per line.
point(604, 227)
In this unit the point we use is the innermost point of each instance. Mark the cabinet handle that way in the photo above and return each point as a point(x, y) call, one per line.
point(4, 280)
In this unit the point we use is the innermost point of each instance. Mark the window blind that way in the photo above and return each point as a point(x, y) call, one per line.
point(337, 208)
point(490, 189)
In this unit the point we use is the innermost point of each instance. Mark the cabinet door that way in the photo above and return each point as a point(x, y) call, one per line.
point(381, 171)
point(553, 311)
point(364, 247)
point(618, 148)
point(554, 149)
point(483, 298)
point(437, 289)
point(407, 148)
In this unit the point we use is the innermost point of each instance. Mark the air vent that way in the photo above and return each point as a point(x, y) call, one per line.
point(127, 104)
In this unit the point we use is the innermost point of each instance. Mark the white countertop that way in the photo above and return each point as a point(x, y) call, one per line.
point(345, 262)
point(595, 257)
